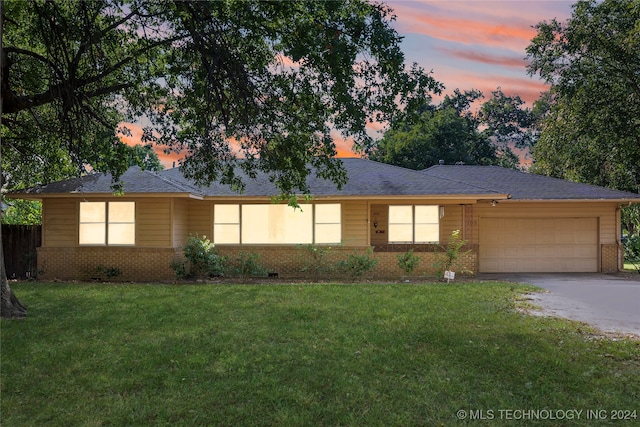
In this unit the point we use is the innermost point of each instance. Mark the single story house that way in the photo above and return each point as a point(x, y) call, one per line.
point(512, 221)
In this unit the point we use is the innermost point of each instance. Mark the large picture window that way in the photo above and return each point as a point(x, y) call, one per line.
point(107, 223)
point(414, 224)
point(275, 224)
point(261, 224)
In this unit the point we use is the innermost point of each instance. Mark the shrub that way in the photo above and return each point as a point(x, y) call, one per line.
point(356, 264)
point(108, 272)
point(445, 260)
point(247, 264)
point(179, 266)
point(201, 257)
point(317, 262)
point(408, 261)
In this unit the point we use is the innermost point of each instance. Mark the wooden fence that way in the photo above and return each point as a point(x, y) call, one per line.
point(19, 244)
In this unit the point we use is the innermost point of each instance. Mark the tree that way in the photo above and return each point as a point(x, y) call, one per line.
point(508, 121)
point(592, 62)
point(22, 212)
point(264, 81)
point(145, 157)
point(451, 132)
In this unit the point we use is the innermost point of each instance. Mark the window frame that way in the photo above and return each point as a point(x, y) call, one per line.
point(314, 223)
point(413, 224)
point(106, 222)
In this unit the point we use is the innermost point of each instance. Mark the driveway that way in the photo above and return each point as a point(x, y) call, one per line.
point(610, 303)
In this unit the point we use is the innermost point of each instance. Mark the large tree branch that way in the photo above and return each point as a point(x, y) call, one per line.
point(15, 104)
point(46, 61)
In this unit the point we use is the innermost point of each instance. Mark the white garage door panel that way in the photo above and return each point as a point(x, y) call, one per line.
point(538, 245)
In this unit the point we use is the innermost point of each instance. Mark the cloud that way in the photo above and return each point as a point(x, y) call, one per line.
point(465, 28)
point(486, 58)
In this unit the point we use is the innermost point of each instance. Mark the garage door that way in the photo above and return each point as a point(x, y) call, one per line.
point(551, 245)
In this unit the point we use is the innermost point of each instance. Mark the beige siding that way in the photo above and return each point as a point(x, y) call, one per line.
point(451, 221)
point(201, 218)
point(180, 222)
point(355, 223)
point(60, 219)
point(153, 222)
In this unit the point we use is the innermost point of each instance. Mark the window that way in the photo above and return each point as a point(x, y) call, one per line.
point(107, 223)
point(226, 224)
point(92, 223)
point(414, 224)
point(401, 224)
point(277, 224)
point(328, 224)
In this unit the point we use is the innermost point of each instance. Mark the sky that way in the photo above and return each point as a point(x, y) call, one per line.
point(467, 44)
point(475, 44)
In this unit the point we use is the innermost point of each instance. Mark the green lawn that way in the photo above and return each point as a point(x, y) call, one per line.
point(304, 354)
point(631, 267)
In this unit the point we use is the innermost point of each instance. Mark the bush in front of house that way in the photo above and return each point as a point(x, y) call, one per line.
point(318, 263)
point(408, 261)
point(247, 264)
point(451, 253)
point(200, 259)
point(357, 264)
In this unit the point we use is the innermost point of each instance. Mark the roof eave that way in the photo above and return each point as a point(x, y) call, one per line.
point(79, 194)
point(602, 200)
point(451, 197)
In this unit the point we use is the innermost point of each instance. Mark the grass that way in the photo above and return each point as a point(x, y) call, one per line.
point(302, 354)
point(634, 267)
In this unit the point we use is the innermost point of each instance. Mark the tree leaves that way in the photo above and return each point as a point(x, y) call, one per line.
point(266, 82)
point(592, 62)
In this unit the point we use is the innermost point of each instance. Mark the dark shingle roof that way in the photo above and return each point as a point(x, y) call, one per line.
point(526, 186)
point(365, 178)
point(134, 180)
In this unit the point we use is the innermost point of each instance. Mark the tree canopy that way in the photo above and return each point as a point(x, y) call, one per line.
point(450, 131)
point(266, 81)
point(592, 62)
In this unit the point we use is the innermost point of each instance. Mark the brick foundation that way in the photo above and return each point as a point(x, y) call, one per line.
point(86, 263)
point(288, 262)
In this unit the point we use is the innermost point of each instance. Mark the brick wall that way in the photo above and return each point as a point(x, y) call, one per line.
point(611, 257)
point(289, 262)
point(86, 263)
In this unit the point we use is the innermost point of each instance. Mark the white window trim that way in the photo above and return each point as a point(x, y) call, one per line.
point(413, 227)
point(106, 223)
point(314, 223)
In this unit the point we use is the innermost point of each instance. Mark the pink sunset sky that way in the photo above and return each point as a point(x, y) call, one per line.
point(475, 44)
point(468, 44)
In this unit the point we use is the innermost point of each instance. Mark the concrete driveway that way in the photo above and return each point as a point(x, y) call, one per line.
point(610, 303)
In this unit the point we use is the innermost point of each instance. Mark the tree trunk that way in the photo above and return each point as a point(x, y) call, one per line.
point(10, 307)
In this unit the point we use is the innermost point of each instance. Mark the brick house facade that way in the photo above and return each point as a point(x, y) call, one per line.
point(511, 221)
